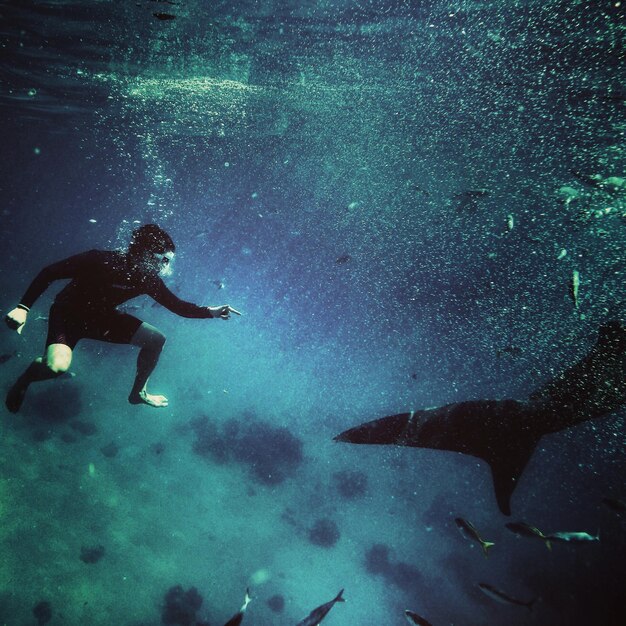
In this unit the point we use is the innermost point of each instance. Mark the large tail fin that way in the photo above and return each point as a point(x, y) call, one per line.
point(507, 464)
point(384, 431)
point(502, 433)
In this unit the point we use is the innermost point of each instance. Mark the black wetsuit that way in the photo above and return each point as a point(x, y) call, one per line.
point(101, 281)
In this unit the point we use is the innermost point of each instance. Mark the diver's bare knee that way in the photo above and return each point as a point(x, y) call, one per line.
point(59, 358)
point(59, 366)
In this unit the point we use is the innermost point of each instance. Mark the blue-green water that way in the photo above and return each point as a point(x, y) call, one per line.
point(313, 159)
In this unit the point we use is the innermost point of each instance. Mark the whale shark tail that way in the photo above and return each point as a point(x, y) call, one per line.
point(498, 432)
point(507, 467)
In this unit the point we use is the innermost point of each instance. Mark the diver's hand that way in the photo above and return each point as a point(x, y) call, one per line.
point(223, 311)
point(16, 319)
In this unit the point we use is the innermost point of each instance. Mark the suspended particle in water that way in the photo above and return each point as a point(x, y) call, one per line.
point(510, 221)
point(37, 151)
point(32, 92)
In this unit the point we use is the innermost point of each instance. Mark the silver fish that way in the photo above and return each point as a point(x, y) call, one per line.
point(526, 530)
point(236, 619)
point(468, 530)
point(503, 598)
point(510, 221)
point(573, 537)
point(414, 618)
point(318, 614)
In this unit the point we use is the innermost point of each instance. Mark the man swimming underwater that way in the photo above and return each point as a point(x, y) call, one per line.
point(87, 309)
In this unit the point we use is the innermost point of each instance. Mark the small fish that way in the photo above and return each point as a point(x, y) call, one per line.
point(526, 530)
point(510, 221)
point(164, 16)
point(473, 193)
point(344, 258)
point(318, 614)
point(469, 199)
point(218, 284)
point(511, 350)
point(236, 619)
point(419, 189)
point(591, 180)
point(574, 288)
point(619, 506)
point(573, 537)
point(503, 598)
point(414, 618)
point(468, 530)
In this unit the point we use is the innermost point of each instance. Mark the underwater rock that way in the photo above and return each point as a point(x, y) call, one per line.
point(42, 612)
point(180, 606)
point(5, 357)
point(84, 428)
point(91, 554)
point(438, 510)
point(276, 603)
point(60, 403)
point(40, 435)
point(402, 575)
point(377, 559)
point(110, 450)
point(158, 448)
point(325, 533)
point(209, 441)
point(351, 484)
point(271, 453)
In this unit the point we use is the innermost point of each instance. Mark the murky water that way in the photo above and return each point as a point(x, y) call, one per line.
point(397, 195)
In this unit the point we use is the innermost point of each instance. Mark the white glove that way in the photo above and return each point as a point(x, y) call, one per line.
point(16, 319)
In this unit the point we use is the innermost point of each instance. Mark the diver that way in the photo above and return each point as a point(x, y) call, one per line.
point(101, 280)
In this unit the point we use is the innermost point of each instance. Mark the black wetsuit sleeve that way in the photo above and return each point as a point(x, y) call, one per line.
point(67, 268)
point(165, 297)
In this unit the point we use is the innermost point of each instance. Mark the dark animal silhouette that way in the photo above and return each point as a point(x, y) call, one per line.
point(504, 433)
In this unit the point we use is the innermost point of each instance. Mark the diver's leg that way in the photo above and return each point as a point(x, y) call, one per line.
point(150, 341)
point(57, 361)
